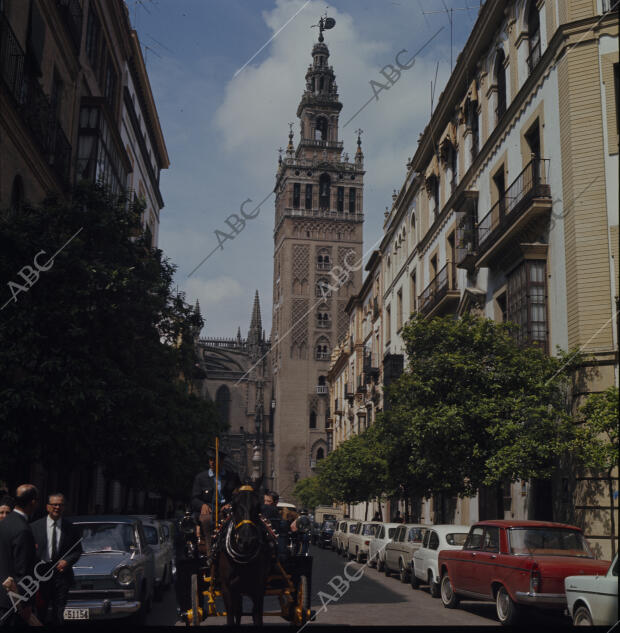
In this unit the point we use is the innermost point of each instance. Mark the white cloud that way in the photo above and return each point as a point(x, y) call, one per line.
point(211, 292)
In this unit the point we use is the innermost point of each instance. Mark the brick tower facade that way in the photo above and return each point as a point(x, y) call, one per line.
point(318, 231)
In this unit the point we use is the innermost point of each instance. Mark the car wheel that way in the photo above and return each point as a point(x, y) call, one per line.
point(448, 597)
point(507, 610)
point(402, 572)
point(433, 586)
point(415, 581)
point(139, 617)
point(582, 616)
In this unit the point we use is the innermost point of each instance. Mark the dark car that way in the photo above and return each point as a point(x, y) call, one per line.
point(326, 532)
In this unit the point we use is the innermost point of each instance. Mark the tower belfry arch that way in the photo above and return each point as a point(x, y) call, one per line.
point(318, 227)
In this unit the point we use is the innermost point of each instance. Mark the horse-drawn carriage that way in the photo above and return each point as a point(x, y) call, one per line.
point(244, 561)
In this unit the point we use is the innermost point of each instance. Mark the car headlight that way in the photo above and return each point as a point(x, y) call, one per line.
point(124, 576)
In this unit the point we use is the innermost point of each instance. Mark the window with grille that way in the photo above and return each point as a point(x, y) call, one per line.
point(352, 200)
point(340, 200)
point(296, 195)
point(308, 196)
point(526, 298)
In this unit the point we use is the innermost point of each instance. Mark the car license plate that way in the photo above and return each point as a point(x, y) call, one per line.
point(76, 614)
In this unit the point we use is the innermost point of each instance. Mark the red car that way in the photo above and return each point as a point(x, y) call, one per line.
point(516, 563)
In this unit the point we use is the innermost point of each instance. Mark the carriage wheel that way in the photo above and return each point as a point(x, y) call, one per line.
point(302, 604)
point(196, 610)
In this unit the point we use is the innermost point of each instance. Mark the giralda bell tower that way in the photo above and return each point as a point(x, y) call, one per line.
point(317, 235)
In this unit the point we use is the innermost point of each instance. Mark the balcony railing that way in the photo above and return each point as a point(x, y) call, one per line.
point(73, 16)
point(534, 57)
point(322, 355)
point(371, 364)
point(443, 283)
point(323, 144)
point(323, 324)
point(529, 184)
point(33, 104)
point(323, 265)
point(324, 213)
point(321, 389)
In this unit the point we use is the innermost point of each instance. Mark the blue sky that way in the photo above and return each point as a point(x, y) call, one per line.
point(223, 129)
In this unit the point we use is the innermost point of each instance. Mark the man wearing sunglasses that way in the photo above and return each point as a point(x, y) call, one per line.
point(58, 545)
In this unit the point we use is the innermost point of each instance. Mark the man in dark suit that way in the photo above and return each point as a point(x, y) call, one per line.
point(18, 556)
point(59, 547)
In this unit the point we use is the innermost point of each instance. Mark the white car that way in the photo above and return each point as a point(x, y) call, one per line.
point(360, 541)
point(399, 552)
point(424, 565)
point(164, 553)
point(593, 600)
point(376, 549)
point(349, 527)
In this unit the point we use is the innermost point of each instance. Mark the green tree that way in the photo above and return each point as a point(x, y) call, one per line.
point(473, 408)
point(93, 350)
point(355, 471)
point(311, 494)
point(596, 442)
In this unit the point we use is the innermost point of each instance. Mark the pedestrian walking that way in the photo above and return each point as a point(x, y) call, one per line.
point(18, 555)
point(59, 546)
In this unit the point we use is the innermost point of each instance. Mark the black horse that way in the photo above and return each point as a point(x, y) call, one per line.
point(245, 559)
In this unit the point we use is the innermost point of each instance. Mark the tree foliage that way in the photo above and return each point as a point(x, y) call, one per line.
point(355, 471)
point(92, 352)
point(311, 494)
point(473, 408)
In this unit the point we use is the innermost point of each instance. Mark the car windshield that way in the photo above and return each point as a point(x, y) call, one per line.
point(151, 535)
point(106, 537)
point(458, 539)
point(369, 530)
point(391, 532)
point(549, 542)
point(329, 525)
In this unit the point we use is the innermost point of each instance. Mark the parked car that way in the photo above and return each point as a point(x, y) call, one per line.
point(360, 541)
point(169, 529)
point(376, 549)
point(399, 551)
point(593, 600)
point(338, 530)
point(424, 568)
point(115, 576)
point(163, 551)
point(347, 527)
point(516, 563)
point(326, 533)
point(314, 532)
point(327, 513)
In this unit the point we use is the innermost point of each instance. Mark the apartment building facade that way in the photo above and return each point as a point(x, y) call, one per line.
point(509, 209)
point(68, 71)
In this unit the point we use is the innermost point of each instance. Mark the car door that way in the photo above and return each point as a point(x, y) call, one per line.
point(463, 566)
point(393, 550)
point(420, 557)
point(486, 562)
point(431, 552)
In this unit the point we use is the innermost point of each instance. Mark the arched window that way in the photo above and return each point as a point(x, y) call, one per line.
point(322, 288)
point(17, 193)
point(323, 260)
point(322, 349)
point(222, 403)
point(324, 193)
point(320, 454)
point(533, 31)
point(321, 127)
point(500, 78)
point(313, 419)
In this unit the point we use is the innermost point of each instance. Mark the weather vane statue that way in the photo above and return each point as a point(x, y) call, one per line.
point(324, 24)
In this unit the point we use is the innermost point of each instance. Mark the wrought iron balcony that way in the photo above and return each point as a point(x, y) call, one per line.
point(375, 308)
point(73, 16)
point(361, 384)
point(441, 294)
point(371, 365)
point(321, 389)
point(323, 324)
point(517, 214)
point(466, 234)
point(322, 355)
point(323, 265)
point(33, 104)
